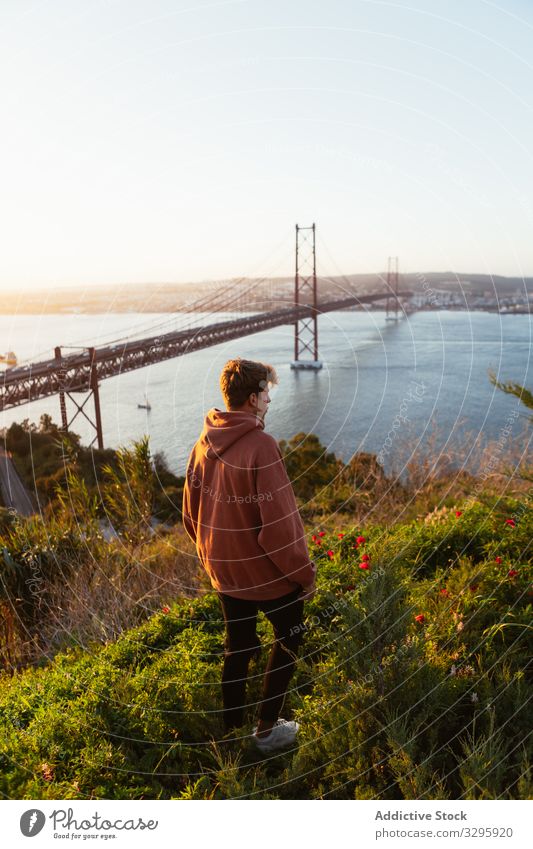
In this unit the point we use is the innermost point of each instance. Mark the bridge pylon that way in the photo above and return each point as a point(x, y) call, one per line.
point(306, 329)
point(391, 313)
point(88, 386)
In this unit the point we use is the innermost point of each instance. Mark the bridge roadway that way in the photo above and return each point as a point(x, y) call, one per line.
point(72, 373)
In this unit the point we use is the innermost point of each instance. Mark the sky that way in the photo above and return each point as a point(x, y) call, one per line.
point(159, 141)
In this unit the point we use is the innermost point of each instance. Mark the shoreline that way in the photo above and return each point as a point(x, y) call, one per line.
point(77, 311)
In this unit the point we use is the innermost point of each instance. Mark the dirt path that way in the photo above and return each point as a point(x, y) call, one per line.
point(14, 493)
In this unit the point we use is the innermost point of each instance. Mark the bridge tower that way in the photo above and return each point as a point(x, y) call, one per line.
point(92, 390)
point(306, 329)
point(391, 313)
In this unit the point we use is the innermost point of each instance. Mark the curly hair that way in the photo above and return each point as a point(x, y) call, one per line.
point(239, 378)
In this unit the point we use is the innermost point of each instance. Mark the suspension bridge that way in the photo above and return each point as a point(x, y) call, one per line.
point(67, 375)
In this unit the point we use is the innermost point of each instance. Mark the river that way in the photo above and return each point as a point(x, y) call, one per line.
point(379, 381)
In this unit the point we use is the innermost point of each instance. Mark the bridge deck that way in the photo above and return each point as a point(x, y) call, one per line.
point(72, 373)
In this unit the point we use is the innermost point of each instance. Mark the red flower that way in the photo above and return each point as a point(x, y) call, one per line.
point(322, 534)
point(349, 588)
point(498, 560)
point(360, 540)
point(314, 537)
point(512, 573)
point(420, 617)
point(318, 542)
point(364, 565)
point(165, 609)
point(340, 536)
point(473, 587)
point(510, 522)
point(330, 553)
point(444, 592)
point(365, 557)
point(458, 513)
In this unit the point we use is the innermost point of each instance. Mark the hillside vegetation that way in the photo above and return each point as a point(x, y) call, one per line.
point(414, 678)
point(414, 681)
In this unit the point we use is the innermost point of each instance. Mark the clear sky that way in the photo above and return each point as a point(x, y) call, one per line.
point(178, 140)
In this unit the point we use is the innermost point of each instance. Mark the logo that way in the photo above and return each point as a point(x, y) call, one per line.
point(31, 822)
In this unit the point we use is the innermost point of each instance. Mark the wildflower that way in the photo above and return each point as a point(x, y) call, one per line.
point(314, 537)
point(458, 513)
point(510, 522)
point(47, 772)
point(330, 553)
point(498, 560)
point(444, 592)
point(360, 540)
point(165, 609)
point(512, 573)
point(460, 625)
point(349, 588)
point(340, 536)
point(364, 565)
point(365, 557)
point(473, 587)
point(318, 542)
point(420, 617)
point(322, 534)
point(474, 698)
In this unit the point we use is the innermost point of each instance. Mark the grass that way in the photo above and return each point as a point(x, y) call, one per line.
point(414, 679)
point(390, 706)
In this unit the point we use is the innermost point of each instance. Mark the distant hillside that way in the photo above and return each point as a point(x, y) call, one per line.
point(267, 293)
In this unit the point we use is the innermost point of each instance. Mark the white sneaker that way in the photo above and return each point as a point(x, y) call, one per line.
point(283, 734)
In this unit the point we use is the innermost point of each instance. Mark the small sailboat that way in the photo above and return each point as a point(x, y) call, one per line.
point(146, 405)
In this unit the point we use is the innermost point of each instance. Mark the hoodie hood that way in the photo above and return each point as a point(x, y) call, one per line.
point(223, 428)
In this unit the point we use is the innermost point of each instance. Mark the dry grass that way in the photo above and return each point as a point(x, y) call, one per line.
point(101, 600)
point(425, 474)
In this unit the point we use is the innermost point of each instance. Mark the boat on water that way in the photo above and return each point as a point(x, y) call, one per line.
point(146, 405)
point(10, 359)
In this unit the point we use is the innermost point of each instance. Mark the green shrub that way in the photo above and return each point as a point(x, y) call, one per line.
point(413, 680)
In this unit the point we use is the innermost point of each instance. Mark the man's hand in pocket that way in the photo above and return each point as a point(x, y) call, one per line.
point(307, 592)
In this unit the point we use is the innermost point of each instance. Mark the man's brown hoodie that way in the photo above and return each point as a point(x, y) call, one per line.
point(240, 510)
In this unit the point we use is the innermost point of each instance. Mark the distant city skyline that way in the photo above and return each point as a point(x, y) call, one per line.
point(164, 142)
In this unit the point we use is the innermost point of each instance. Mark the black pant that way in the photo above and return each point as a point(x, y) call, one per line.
point(241, 644)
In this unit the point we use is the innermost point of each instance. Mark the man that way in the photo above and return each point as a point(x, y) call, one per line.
point(240, 510)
